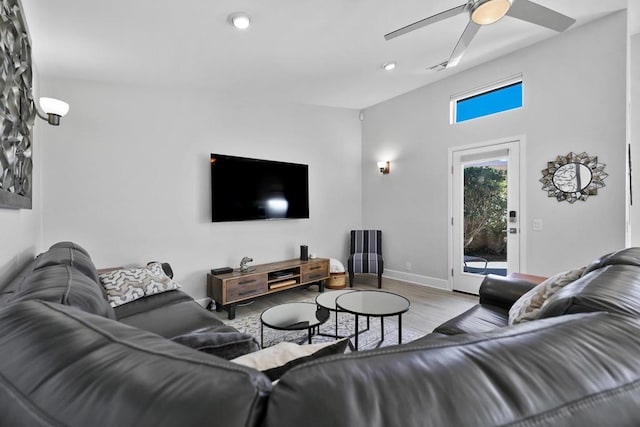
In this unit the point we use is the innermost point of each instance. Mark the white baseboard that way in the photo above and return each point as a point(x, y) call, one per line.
point(417, 279)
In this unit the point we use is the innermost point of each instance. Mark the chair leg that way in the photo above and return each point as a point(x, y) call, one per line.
point(351, 279)
point(379, 280)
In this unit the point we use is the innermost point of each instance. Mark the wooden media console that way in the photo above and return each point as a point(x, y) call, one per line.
point(229, 289)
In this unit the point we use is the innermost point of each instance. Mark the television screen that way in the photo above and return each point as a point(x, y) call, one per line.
point(246, 189)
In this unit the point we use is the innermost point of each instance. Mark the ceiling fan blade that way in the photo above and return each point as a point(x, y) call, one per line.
point(537, 14)
point(464, 42)
point(426, 21)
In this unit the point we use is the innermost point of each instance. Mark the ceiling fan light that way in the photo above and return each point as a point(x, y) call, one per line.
point(489, 11)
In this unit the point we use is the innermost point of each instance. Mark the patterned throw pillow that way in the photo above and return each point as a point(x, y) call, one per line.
point(528, 306)
point(126, 285)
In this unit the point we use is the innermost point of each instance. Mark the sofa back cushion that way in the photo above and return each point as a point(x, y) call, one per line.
point(60, 366)
point(67, 256)
point(628, 256)
point(67, 253)
point(575, 370)
point(66, 285)
point(71, 245)
point(64, 274)
point(614, 288)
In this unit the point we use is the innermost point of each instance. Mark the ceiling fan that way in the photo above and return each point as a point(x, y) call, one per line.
point(485, 12)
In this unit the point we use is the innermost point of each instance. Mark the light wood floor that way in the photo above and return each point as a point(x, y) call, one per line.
point(429, 306)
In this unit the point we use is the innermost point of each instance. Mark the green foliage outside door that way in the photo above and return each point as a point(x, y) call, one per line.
point(485, 208)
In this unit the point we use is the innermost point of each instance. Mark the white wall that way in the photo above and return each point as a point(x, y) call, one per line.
point(127, 176)
point(21, 229)
point(574, 95)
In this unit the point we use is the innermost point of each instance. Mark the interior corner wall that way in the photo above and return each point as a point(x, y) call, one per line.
point(127, 176)
point(574, 100)
point(21, 229)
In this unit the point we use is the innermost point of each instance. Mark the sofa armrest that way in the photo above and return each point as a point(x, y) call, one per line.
point(503, 291)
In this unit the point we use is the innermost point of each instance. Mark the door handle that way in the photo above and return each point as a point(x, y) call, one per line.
point(513, 231)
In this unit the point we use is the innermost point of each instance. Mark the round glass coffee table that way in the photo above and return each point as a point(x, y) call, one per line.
point(293, 316)
point(328, 301)
point(374, 304)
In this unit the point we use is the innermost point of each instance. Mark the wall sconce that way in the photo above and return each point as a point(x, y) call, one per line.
point(54, 109)
point(384, 167)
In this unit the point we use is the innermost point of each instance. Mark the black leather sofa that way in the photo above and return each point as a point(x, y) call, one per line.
point(66, 274)
point(608, 284)
point(65, 361)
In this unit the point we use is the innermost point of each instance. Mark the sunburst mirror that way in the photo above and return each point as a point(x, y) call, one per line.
point(573, 177)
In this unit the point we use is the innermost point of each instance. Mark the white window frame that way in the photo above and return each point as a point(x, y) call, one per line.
point(453, 100)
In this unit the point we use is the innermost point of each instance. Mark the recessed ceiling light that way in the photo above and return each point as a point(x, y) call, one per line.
point(388, 66)
point(240, 20)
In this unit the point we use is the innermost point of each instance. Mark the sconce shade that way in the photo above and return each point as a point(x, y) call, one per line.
point(240, 20)
point(54, 108)
point(384, 167)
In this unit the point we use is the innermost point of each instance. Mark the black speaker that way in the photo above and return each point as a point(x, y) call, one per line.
point(221, 270)
point(304, 252)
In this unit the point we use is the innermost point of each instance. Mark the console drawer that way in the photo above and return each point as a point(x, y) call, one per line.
point(244, 287)
point(315, 271)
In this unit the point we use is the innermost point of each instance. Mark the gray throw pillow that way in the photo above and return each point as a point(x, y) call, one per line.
point(529, 305)
point(222, 341)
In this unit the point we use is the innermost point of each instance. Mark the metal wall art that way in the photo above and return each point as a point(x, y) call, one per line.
point(17, 109)
point(573, 177)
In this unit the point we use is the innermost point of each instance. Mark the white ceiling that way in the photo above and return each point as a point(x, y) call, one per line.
point(325, 52)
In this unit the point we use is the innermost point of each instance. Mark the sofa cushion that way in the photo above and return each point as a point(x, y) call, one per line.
point(173, 319)
point(276, 360)
point(71, 245)
point(527, 307)
point(576, 370)
point(67, 256)
point(628, 256)
point(66, 285)
point(130, 284)
point(614, 289)
point(220, 340)
point(479, 318)
point(150, 303)
point(60, 366)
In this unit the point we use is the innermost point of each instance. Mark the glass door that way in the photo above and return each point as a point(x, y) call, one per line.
point(485, 218)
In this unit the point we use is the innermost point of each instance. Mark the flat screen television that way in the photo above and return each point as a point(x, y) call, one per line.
point(244, 189)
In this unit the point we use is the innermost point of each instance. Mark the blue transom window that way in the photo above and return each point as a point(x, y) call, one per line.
point(491, 100)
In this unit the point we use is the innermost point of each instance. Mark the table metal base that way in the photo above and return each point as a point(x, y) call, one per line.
point(336, 336)
point(358, 332)
point(310, 333)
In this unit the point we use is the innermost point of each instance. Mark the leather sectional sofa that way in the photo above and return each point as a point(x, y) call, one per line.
point(68, 359)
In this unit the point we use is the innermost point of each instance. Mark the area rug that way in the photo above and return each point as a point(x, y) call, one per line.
point(346, 326)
